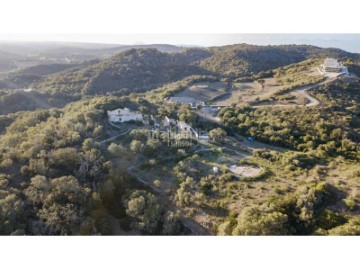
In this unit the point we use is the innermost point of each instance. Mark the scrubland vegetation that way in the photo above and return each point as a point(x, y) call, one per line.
point(61, 175)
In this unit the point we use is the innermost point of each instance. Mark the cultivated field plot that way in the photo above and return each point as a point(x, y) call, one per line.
point(293, 98)
point(253, 92)
point(204, 91)
point(249, 92)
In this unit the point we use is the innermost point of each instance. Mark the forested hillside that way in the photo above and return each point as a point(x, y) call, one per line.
point(57, 179)
point(244, 60)
point(138, 70)
point(13, 101)
point(130, 71)
point(23, 78)
point(8, 61)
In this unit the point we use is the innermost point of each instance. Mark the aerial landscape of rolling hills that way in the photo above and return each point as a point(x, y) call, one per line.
point(109, 139)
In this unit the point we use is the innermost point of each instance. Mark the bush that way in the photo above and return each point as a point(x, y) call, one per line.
point(261, 220)
point(157, 183)
point(350, 204)
point(116, 149)
point(350, 228)
point(329, 219)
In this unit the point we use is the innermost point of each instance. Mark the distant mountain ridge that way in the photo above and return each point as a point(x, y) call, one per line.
point(15, 55)
point(243, 59)
point(8, 60)
point(91, 53)
point(137, 70)
point(133, 70)
point(24, 77)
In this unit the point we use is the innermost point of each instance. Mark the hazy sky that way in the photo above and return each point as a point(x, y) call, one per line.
point(349, 42)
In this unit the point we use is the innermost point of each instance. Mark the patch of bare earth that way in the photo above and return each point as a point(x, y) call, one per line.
point(249, 92)
point(245, 171)
point(204, 91)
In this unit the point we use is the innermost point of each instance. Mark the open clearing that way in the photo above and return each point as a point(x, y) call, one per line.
point(204, 91)
point(253, 92)
point(296, 97)
point(245, 171)
point(249, 92)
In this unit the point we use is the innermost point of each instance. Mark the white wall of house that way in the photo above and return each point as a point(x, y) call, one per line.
point(124, 115)
point(204, 137)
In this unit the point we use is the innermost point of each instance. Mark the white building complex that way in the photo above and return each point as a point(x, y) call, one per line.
point(124, 115)
point(333, 66)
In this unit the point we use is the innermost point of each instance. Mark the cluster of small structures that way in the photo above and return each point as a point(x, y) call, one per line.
point(126, 115)
point(330, 68)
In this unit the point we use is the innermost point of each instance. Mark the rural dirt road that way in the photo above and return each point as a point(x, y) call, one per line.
point(256, 145)
point(302, 91)
point(313, 101)
point(113, 138)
